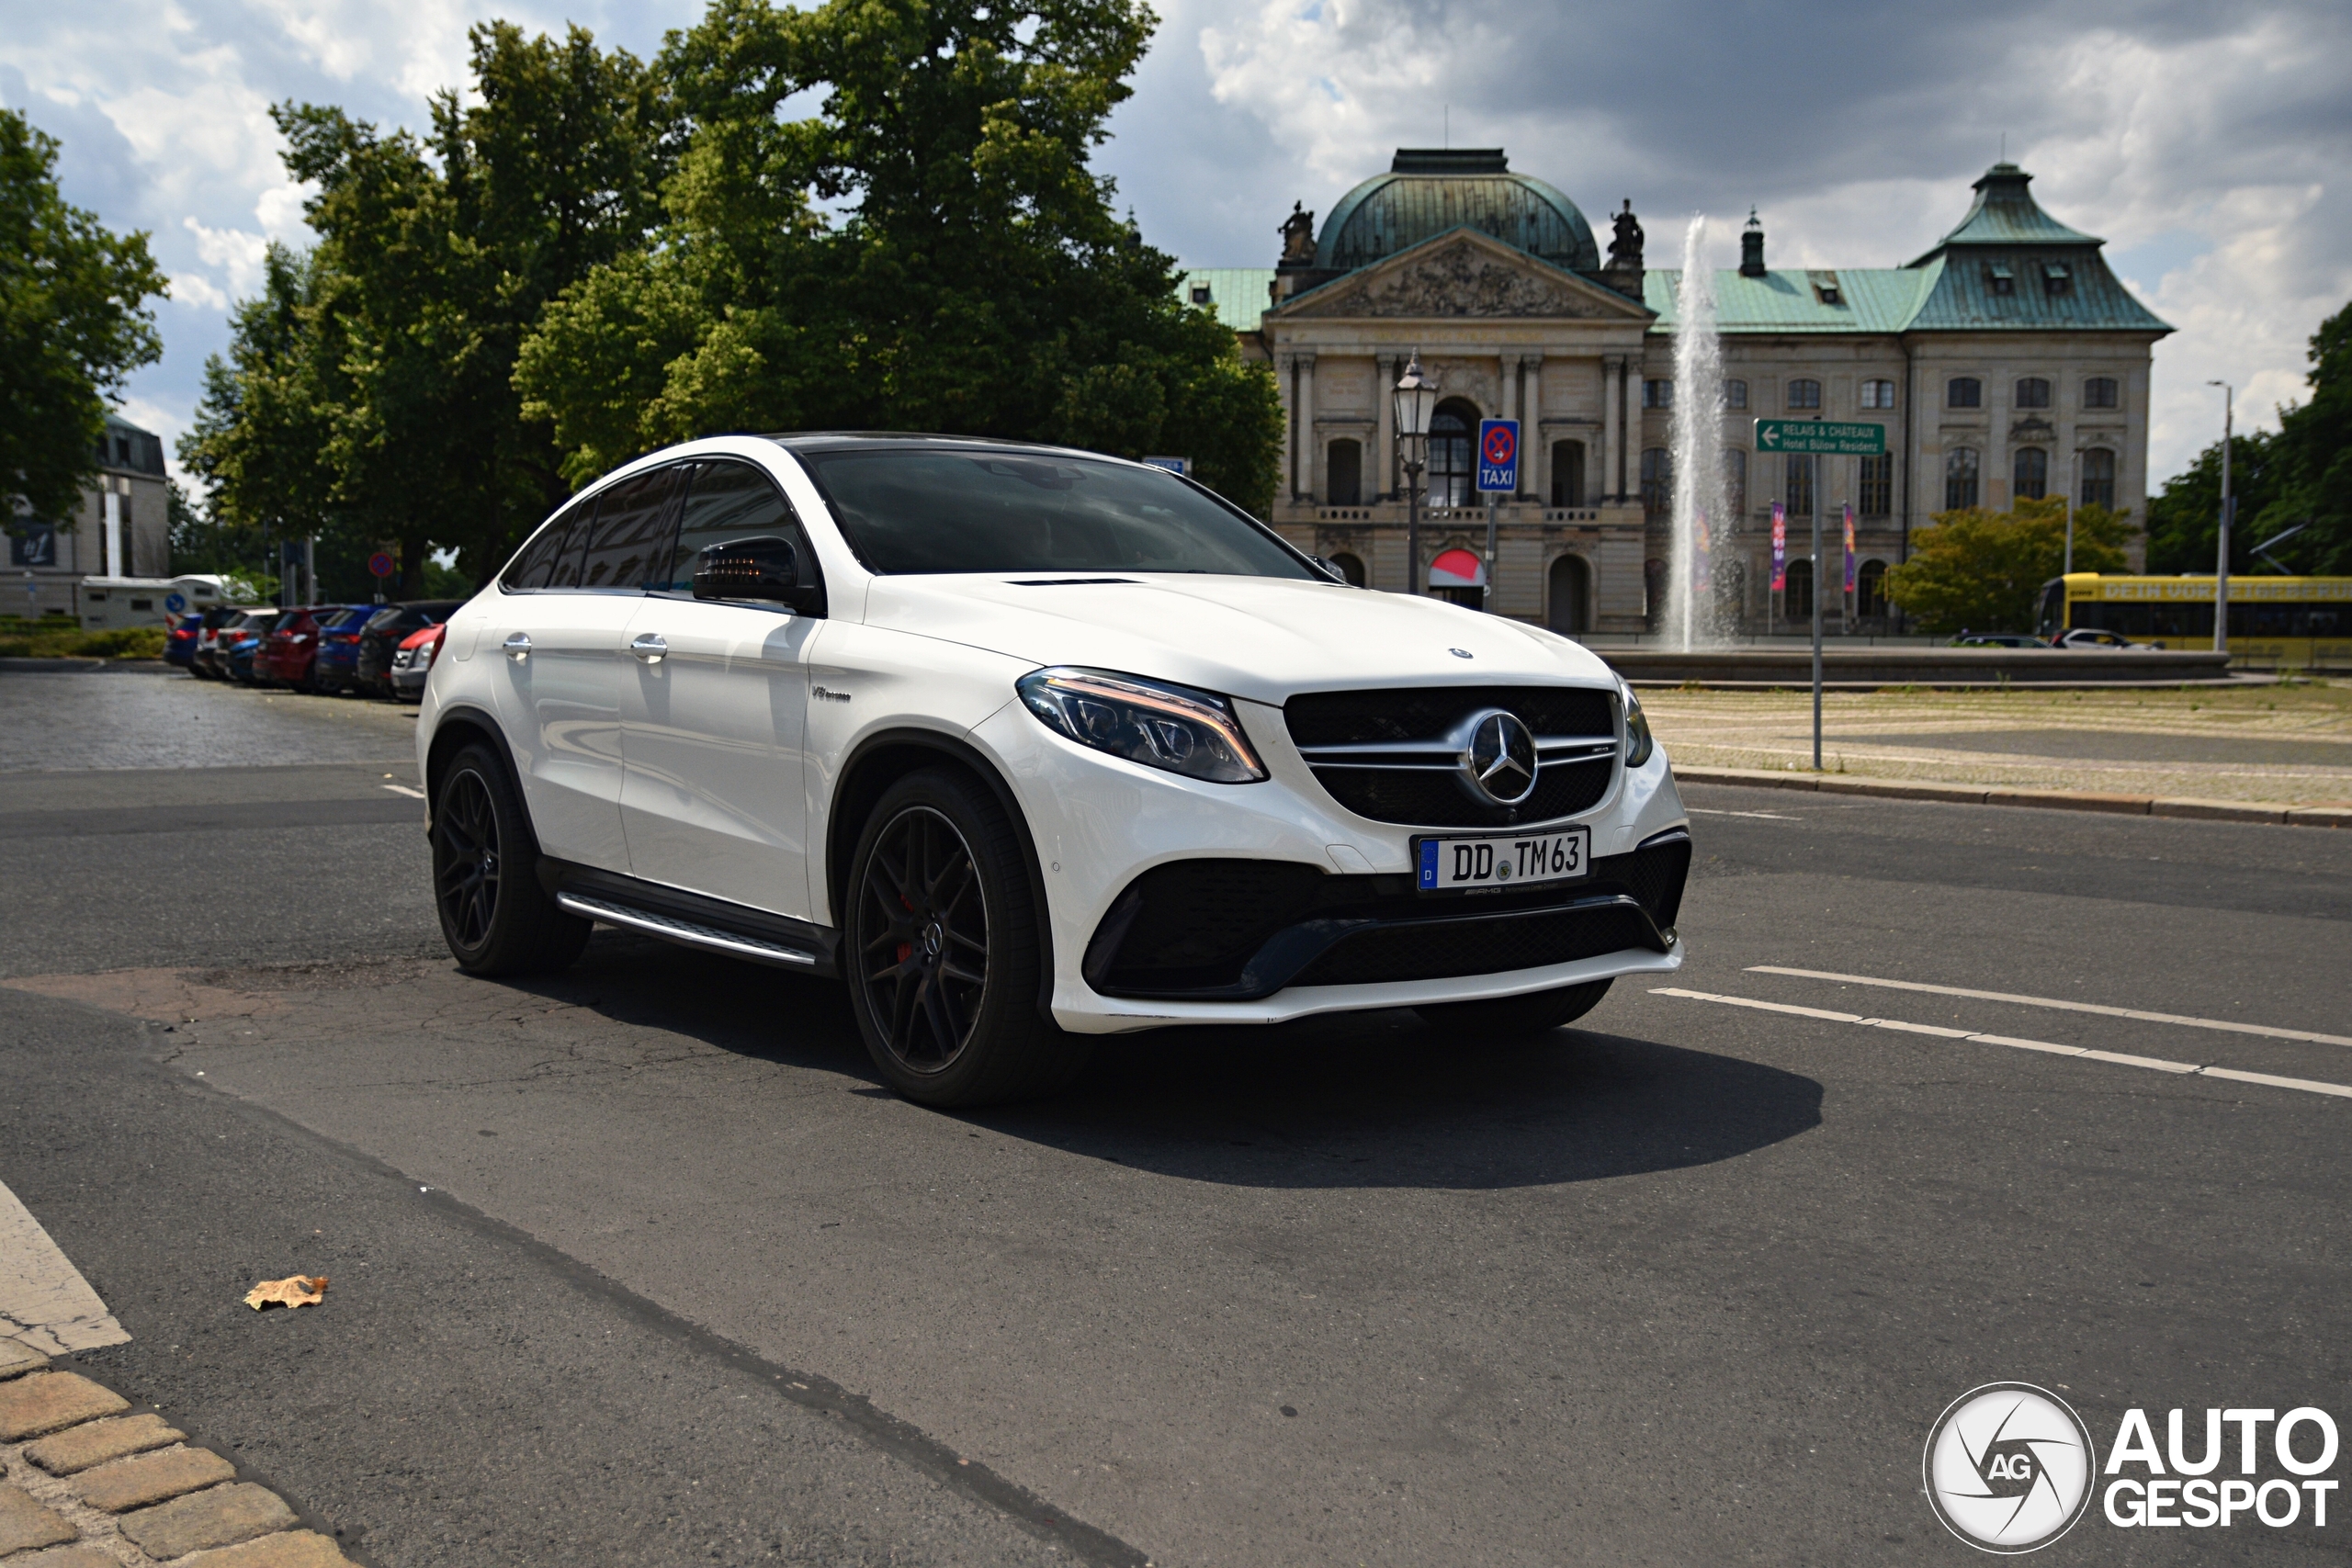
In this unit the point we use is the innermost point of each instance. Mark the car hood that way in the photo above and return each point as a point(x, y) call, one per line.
point(1259, 638)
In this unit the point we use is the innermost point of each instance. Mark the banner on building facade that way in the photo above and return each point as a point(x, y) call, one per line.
point(1849, 547)
point(1780, 546)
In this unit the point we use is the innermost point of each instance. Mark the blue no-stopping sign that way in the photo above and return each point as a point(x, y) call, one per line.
point(1498, 455)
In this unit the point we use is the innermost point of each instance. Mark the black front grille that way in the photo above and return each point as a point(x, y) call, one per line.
point(1429, 713)
point(1434, 797)
point(1482, 945)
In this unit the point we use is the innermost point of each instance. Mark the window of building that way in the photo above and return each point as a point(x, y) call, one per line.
point(2033, 392)
point(1344, 473)
point(1734, 394)
point(1453, 481)
point(1567, 473)
point(1658, 481)
point(1351, 567)
point(1805, 394)
point(2099, 478)
point(2099, 392)
point(1870, 589)
point(2030, 474)
point(1796, 599)
point(1876, 497)
point(1960, 478)
point(1201, 295)
point(1798, 498)
point(2056, 279)
point(1878, 394)
point(1657, 394)
point(1999, 278)
point(1736, 479)
point(1964, 392)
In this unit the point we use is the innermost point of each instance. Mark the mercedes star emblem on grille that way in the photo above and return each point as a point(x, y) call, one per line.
point(1499, 761)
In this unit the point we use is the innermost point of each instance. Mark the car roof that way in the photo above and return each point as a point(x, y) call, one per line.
point(907, 440)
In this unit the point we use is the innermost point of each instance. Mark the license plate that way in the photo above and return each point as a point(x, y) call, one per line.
point(1450, 864)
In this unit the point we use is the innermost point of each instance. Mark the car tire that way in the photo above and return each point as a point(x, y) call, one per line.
point(1505, 1017)
point(942, 952)
point(496, 915)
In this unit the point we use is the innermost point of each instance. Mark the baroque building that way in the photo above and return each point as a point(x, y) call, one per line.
point(2006, 361)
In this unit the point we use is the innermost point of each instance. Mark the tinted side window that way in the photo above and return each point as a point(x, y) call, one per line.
point(630, 543)
point(551, 551)
point(731, 501)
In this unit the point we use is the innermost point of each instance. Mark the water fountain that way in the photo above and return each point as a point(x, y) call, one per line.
point(1701, 524)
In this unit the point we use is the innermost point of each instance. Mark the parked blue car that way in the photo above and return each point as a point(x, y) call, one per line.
point(179, 639)
point(238, 644)
point(336, 669)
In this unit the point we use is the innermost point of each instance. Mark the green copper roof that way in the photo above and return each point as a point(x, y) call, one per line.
point(1954, 292)
point(1237, 293)
point(1871, 299)
point(2007, 214)
point(1426, 192)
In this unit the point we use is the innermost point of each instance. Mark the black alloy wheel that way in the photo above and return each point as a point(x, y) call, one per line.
point(923, 940)
point(943, 948)
point(496, 915)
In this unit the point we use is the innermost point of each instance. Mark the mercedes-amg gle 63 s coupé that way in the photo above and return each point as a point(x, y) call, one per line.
point(1025, 746)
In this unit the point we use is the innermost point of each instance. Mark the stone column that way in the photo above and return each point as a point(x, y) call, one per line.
point(1383, 472)
point(1309, 450)
point(1536, 459)
point(1287, 389)
point(1613, 383)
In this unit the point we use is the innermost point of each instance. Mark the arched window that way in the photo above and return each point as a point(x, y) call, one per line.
point(1567, 473)
point(1452, 480)
point(2099, 478)
point(1964, 392)
point(1735, 481)
point(1798, 492)
point(2099, 392)
point(1878, 394)
point(2033, 392)
point(1960, 478)
point(2031, 473)
point(1570, 583)
point(1457, 575)
point(1877, 485)
point(1351, 567)
point(1805, 394)
point(1796, 602)
point(1658, 481)
point(1343, 474)
point(1870, 589)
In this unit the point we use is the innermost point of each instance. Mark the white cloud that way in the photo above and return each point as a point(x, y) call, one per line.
point(240, 253)
point(195, 289)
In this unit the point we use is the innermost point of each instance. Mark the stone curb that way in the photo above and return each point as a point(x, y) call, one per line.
point(2329, 815)
point(74, 1480)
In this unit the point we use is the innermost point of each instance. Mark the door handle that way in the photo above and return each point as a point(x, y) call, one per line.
point(517, 646)
point(648, 647)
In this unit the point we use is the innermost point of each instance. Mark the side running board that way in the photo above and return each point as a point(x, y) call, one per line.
point(695, 921)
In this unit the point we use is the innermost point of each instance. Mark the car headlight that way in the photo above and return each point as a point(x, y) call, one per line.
point(1185, 731)
point(1639, 743)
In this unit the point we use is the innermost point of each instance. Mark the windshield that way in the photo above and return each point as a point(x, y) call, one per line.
point(925, 510)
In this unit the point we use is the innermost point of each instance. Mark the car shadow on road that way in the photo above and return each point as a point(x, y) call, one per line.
point(1365, 1099)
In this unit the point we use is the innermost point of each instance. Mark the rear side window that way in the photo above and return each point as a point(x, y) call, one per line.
point(629, 547)
point(551, 558)
point(728, 501)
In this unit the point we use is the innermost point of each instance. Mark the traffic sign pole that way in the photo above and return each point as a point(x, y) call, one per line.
point(1497, 474)
point(1817, 622)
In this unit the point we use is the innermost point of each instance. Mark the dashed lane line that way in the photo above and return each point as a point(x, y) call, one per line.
point(404, 789)
point(45, 1304)
point(2135, 1013)
point(2116, 1058)
point(1768, 816)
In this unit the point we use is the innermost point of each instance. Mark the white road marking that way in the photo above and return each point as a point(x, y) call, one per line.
point(1768, 816)
point(2134, 1013)
point(44, 1301)
point(2117, 1058)
point(403, 789)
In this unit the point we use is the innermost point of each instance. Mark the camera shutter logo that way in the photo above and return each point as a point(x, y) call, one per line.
point(2009, 1468)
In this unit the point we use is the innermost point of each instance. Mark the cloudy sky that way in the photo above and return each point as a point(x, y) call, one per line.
point(2211, 143)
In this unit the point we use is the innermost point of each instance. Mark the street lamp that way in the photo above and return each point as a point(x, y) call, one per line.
point(1415, 396)
point(2221, 570)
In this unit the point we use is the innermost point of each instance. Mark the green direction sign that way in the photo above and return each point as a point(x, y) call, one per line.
point(1820, 436)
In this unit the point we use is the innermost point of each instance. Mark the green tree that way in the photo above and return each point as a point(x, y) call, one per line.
point(1981, 570)
point(930, 249)
point(73, 324)
point(2313, 462)
point(2185, 518)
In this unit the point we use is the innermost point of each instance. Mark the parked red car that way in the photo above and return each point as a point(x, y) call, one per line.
point(290, 648)
point(413, 662)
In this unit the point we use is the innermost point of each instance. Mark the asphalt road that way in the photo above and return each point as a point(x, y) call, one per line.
point(1689, 1283)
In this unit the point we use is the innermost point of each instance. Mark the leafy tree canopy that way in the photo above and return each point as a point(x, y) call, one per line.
point(73, 324)
point(1978, 570)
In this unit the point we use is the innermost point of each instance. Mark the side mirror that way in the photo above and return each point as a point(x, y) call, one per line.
point(765, 568)
point(1330, 569)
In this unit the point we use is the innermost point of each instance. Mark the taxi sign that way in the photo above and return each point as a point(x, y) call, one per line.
point(1497, 455)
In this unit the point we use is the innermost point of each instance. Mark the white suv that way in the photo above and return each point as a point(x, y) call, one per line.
point(1029, 745)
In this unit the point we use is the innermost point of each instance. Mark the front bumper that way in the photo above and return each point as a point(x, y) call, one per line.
point(1327, 921)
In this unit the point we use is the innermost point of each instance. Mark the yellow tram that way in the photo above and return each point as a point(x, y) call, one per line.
point(2275, 623)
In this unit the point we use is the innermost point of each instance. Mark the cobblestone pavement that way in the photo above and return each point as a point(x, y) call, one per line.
point(90, 1483)
point(2287, 744)
point(117, 718)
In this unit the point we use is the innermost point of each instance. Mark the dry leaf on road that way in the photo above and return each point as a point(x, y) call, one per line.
point(294, 1291)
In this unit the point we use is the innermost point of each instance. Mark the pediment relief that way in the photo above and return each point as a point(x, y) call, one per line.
point(1463, 277)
